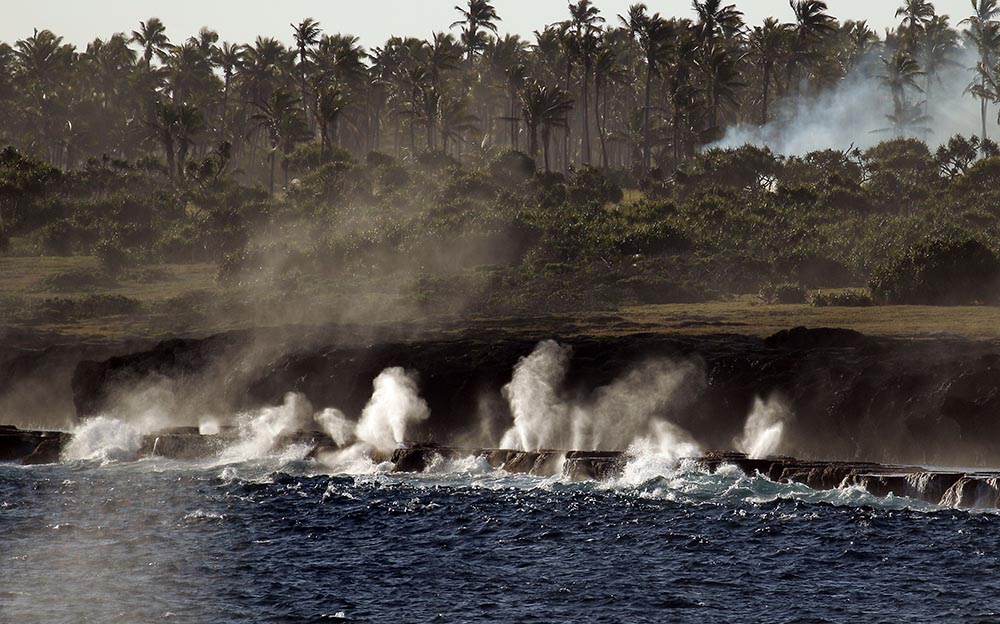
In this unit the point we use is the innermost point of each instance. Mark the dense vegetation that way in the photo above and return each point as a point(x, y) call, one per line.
point(637, 91)
point(486, 173)
point(500, 233)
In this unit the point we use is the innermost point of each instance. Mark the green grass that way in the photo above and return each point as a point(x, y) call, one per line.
point(174, 299)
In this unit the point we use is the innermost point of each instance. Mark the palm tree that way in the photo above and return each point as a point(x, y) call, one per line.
point(719, 67)
point(229, 57)
point(306, 35)
point(543, 108)
point(162, 127)
point(716, 21)
point(654, 36)
point(916, 14)
point(455, 120)
point(938, 50)
point(206, 40)
point(860, 39)
point(768, 44)
point(330, 102)
point(900, 77)
point(478, 17)
point(189, 71)
point(152, 37)
point(507, 58)
point(44, 66)
point(584, 32)
point(339, 63)
point(812, 25)
point(189, 124)
point(983, 32)
point(681, 90)
point(281, 118)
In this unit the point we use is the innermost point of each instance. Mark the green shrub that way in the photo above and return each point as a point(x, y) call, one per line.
point(77, 280)
point(844, 298)
point(592, 185)
point(783, 293)
point(65, 309)
point(114, 259)
point(939, 271)
point(511, 168)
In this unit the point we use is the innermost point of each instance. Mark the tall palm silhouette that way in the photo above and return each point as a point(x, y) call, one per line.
point(654, 37)
point(984, 33)
point(584, 32)
point(478, 18)
point(152, 36)
point(812, 25)
point(543, 108)
point(281, 118)
point(306, 34)
point(769, 44)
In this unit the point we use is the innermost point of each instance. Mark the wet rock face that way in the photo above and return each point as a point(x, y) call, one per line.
point(848, 396)
point(951, 489)
point(30, 447)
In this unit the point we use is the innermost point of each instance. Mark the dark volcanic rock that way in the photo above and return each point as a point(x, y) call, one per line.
point(31, 447)
point(849, 396)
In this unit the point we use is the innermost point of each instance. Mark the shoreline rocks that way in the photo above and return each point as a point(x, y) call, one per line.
point(961, 489)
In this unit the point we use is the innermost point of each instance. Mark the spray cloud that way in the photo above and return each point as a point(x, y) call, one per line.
point(762, 434)
point(638, 406)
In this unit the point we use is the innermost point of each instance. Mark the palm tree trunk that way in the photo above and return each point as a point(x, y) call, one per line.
point(546, 135)
point(586, 116)
point(532, 139)
point(646, 146)
point(565, 163)
point(512, 94)
point(767, 84)
point(983, 107)
point(271, 183)
point(601, 121)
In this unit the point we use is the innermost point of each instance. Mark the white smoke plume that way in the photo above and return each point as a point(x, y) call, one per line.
point(854, 113)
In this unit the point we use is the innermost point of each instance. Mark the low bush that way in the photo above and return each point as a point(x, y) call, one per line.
point(92, 306)
point(843, 298)
point(782, 293)
point(939, 271)
point(76, 280)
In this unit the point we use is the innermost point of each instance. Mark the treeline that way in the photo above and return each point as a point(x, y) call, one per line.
point(637, 91)
point(914, 225)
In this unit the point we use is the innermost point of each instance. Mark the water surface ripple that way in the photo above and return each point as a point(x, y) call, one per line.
point(159, 541)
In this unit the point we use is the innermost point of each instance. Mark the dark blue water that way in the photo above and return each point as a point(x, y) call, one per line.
point(155, 541)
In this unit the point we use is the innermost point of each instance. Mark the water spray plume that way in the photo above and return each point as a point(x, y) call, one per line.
point(394, 408)
point(762, 434)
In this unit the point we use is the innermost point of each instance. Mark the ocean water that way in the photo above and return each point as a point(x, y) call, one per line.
point(279, 539)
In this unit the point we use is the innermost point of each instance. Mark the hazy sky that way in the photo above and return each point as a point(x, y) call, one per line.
point(372, 20)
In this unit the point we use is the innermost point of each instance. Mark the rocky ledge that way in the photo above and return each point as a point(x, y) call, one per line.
point(932, 400)
point(952, 488)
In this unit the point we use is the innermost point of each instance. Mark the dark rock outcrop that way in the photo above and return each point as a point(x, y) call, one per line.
point(940, 487)
point(31, 447)
point(849, 396)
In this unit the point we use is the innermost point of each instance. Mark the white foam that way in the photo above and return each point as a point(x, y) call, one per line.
point(105, 439)
point(393, 408)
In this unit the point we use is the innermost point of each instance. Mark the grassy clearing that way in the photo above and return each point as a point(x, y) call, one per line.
point(746, 315)
point(168, 295)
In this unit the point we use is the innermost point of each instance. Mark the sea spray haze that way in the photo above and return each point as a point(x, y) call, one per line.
point(435, 247)
point(548, 414)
